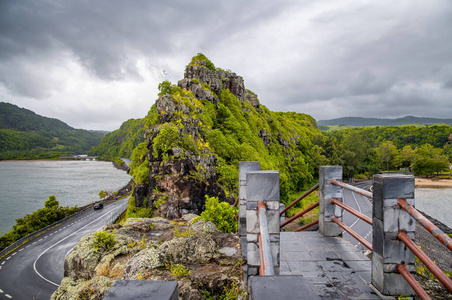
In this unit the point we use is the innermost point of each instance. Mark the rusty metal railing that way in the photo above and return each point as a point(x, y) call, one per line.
point(353, 233)
point(315, 187)
point(300, 214)
point(439, 274)
point(266, 259)
point(354, 212)
point(352, 188)
point(413, 283)
point(435, 231)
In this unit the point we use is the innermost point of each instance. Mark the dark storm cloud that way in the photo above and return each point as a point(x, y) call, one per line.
point(378, 59)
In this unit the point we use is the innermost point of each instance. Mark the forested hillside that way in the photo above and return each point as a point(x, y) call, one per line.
point(121, 142)
point(364, 122)
point(26, 135)
point(424, 150)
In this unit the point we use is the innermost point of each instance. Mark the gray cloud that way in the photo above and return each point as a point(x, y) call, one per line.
point(329, 59)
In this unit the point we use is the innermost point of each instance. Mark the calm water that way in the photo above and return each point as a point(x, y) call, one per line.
point(26, 185)
point(435, 202)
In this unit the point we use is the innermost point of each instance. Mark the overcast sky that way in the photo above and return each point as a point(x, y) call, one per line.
point(95, 64)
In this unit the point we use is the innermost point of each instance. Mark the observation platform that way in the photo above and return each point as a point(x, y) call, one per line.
point(332, 266)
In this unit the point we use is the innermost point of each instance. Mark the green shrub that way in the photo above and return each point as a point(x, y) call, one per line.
point(220, 213)
point(178, 270)
point(103, 241)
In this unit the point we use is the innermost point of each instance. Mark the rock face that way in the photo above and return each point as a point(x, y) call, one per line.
point(178, 185)
point(157, 249)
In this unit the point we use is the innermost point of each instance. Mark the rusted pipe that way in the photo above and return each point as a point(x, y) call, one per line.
point(311, 207)
point(353, 211)
point(352, 188)
point(353, 233)
point(307, 226)
point(439, 274)
point(413, 283)
point(300, 198)
point(435, 231)
point(266, 260)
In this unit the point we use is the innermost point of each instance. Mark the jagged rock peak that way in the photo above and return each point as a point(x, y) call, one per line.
point(202, 71)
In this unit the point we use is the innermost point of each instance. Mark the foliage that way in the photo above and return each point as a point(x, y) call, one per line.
point(178, 270)
point(370, 150)
point(220, 213)
point(103, 241)
point(138, 212)
point(26, 135)
point(201, 57)
point(139, 169)
point(121, 142)
point(231, 291)
point(49, 214)
point(52, 202)
point(180, 232)
point(166, 139)
point(103, 194)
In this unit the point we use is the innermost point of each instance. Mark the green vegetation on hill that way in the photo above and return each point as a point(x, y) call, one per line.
point(364, 122)
point(121, 142)
point(232, 131)
point(425, 150)
point(26, 135)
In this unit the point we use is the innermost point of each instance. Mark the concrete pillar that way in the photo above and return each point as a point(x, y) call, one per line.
point(262, 186)
point(244, 167)
point(327, 191)
point(388, 219)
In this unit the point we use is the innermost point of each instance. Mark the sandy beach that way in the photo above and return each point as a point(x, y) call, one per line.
point(432, 183)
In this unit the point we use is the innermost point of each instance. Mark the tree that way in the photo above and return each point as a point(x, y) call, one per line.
point(103, 194)
point(52, 202)
point(429, 160)
point(406, 157)
point(387, 152)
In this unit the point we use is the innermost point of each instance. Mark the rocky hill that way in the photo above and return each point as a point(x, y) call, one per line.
point(204, 261)
point(199, 130)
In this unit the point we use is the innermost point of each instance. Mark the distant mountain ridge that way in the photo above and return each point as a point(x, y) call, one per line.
point(362, 122)
point(27, 135)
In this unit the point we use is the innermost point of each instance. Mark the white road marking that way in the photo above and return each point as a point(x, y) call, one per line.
point(8, 257)
point(14, 254)
point(0, 267)
point(34, 264)
point(28, 246)
point(3, 263)
point(39, 240)
point(8, 296)
point(21, 249)
point(1, 291)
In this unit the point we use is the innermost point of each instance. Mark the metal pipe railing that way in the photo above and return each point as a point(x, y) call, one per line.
point(299, 199)
point(266, 260)
point(307, 226)
point(353, 233)
point(300, 214)
point(413, 282)
point(439, 274)
point(352, 188)
point(435, 231)
point(353, 211)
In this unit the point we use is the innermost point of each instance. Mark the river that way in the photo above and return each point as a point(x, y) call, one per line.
point(26, 185)
point(436, 203)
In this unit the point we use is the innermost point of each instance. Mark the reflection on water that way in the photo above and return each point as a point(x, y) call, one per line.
point(436, 203)
point(25, 185)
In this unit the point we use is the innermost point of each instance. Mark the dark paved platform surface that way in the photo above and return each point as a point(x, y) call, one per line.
point(332, 266)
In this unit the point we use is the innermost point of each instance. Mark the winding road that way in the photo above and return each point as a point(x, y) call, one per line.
point(34, 270)
point(363, 205)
